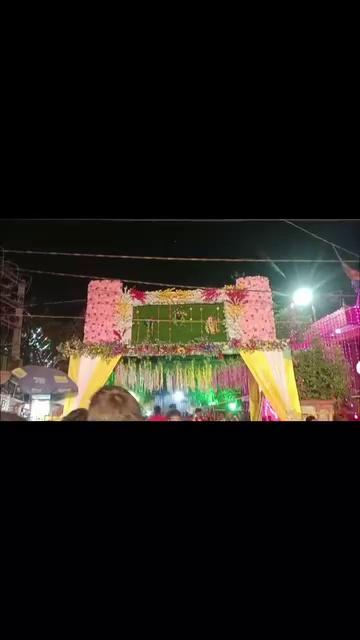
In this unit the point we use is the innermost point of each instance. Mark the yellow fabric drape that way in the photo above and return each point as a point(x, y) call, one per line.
point(274, 374)
point(90, 375)
point(73, 373)
point(98, 380)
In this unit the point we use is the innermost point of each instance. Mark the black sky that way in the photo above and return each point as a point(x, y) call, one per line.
point(200, 239)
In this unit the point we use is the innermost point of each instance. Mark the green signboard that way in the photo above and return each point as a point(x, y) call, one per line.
point(178, 324)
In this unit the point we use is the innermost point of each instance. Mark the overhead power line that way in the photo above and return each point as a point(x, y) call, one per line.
point(87, 277)
point(48, 316)
point(227, 220)
point(171, 259)
point(39, 304)
point(148, 220)
point(154, 284)
point(314, 235)
point(331, 294)
point(126, 280)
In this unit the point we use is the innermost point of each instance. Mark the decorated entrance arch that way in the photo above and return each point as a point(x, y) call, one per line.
point(196, 339)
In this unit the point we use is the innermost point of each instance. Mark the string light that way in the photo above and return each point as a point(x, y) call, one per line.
point(340, 328)
point(40, 352)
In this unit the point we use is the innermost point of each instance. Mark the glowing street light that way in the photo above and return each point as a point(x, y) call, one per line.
point(303, 297)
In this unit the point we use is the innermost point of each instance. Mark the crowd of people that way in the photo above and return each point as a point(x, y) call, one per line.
point(116, 404)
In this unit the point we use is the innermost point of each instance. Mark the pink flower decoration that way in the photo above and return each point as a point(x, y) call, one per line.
point(138, 295)
point(236, 296)
point(209, 295)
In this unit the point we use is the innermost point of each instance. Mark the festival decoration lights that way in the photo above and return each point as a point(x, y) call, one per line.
point(341, 328)
point(37, 348)
point(219, 399)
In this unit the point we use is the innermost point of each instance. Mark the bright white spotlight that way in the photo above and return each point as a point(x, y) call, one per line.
point(358, 367)
point(302, 297)
point(178, 396)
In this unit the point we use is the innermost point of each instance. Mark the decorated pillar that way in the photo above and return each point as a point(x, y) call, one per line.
point(258, 321)
point(101, 324)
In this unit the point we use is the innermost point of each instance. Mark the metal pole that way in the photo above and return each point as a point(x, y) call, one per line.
point(16, 340)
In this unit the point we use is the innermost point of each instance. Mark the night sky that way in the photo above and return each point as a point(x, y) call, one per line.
point(199, 239)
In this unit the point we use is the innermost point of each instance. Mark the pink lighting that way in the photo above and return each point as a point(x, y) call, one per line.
point(339, 328)
point(353, 315)
point(268, 413)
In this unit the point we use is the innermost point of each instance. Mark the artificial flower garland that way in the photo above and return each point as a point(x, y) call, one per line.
point(172, 374)
point(232, 294)
point(108, 350)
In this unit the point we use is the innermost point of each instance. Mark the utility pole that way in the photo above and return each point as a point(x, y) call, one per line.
point(19, 314)
point(13, 287)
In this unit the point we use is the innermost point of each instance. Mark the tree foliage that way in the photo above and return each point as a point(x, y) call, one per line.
point(321, 374)
point(291, 322)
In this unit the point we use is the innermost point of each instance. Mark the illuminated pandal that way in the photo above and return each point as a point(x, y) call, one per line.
point(341, 328)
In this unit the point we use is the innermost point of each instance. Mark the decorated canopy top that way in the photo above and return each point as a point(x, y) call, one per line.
point(178, 322)
point(169, 340)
